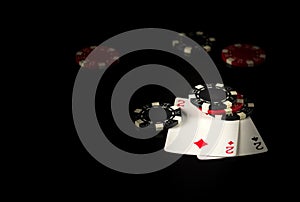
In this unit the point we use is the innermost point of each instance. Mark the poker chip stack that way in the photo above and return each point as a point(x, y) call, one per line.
point(217, 124)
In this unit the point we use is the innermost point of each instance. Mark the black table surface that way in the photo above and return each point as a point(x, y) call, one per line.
point(78, 169)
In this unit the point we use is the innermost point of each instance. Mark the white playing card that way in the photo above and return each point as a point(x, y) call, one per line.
point(189, 137)
point(172, 132)
point(250, 141)
point(222, 139)
point(200, 157)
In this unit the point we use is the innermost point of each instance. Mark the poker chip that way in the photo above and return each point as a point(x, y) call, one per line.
point(236, 106)
point(214, 98)
point(205, 41)
point(243, 55)
point(142, 118)
point(82, 54)
point(101, 59)
point(182, 47)
point(221, 101)
point(243, 113)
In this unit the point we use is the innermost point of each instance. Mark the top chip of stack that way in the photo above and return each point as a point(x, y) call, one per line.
point(221, 101)
point(213, 96)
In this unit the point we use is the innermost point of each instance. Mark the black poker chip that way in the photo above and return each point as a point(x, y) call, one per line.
point(215, 96)
point(142, 118)
point(180, 46)
point(205, 41)
point(243, 113)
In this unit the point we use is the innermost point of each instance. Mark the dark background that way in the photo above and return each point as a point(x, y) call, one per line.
point(74, 168)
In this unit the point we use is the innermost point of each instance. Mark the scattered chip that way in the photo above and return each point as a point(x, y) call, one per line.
point(142, 118)
point(243, 55)
point(203, 40)
point(102, 57)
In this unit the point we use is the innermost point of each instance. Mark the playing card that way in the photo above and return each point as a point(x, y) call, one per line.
point(250, 141)
point(188, 138)
point(200, 157)
point(222, 139)
point(201, 134)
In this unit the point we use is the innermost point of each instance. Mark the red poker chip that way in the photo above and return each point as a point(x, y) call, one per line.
point(83, 53)
point(243, 55)
point(100, 58)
